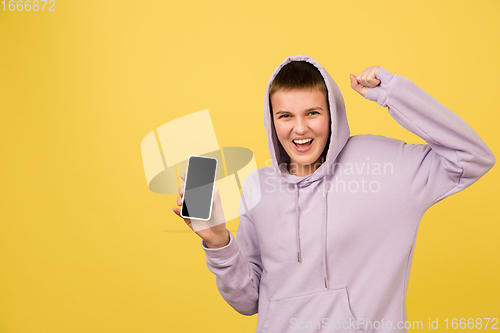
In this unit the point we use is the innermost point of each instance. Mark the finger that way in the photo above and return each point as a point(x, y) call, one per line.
point(181, 194)
point(179, 200)
point(183, 176)
point(373, 82)
point(177, 211)
point(369, 84)
point(361, 76)
point(363, 81)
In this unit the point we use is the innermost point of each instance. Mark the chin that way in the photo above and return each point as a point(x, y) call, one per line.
point(306, 160)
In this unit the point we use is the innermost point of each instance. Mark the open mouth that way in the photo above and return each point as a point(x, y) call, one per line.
point(303, 145)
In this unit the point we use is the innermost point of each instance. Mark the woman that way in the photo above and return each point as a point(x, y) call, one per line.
point(329, 238)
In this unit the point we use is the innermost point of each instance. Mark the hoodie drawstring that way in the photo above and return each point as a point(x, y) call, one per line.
point(324, 234)
point(297, 218)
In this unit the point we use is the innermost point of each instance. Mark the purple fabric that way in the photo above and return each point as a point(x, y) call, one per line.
point(353, 222)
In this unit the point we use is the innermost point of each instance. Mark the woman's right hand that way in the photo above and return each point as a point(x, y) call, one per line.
point(213, 231)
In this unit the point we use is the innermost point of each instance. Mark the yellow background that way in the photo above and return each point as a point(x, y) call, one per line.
point(86, 247)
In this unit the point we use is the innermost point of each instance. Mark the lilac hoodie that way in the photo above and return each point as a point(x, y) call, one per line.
point(332, 251)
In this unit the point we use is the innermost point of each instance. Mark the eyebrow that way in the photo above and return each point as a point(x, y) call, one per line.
point(310, 109)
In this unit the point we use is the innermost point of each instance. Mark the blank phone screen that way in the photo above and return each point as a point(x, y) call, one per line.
point(198, 188)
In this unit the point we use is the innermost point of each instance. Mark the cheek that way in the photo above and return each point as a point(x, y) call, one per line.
point(282, 131)
point(322, 129)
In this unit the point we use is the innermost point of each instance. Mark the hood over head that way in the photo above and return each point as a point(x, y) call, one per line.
point(339, 127)
point(338, 137)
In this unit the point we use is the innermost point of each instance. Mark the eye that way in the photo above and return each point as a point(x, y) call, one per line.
point(283, 115)
point(314, 112)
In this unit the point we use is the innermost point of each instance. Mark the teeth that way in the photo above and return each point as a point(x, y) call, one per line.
point(302, 141)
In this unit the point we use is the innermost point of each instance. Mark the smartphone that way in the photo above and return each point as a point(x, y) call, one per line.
point(199, 186)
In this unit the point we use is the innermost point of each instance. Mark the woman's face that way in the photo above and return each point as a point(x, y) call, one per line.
point(302, 115)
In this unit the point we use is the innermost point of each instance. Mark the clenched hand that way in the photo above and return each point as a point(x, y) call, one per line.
point(365, 80)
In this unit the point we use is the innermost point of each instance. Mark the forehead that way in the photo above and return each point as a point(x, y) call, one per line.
point(298, 99)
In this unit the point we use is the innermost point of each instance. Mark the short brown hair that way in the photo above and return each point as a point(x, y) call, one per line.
point(298, 75)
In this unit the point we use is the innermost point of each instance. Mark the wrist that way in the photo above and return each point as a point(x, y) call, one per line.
point(219, 242)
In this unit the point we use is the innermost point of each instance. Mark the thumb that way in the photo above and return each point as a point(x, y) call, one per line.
point(355, 84)
point(354, 81)
point(217, 211)
point(217, 202)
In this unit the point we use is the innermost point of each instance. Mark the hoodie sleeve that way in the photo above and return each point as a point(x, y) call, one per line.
point(238, 266)
point(453, 158)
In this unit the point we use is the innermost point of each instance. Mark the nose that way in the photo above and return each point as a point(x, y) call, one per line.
point(300, 125)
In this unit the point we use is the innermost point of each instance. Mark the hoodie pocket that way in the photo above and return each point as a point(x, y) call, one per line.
point(319, 311)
